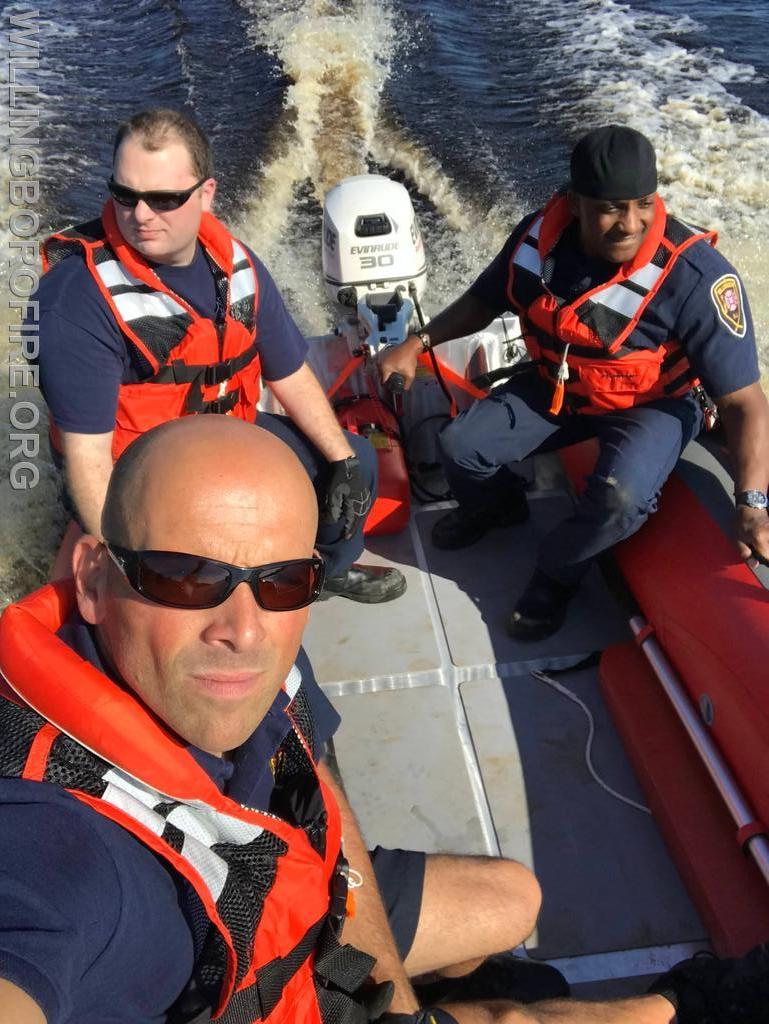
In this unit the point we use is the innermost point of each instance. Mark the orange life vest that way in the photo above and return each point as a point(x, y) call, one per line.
point(196, 365)
point(591, 348)
point(273, 890)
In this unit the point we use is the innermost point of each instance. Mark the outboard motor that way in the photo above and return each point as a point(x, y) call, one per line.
point(374, 267)
point(373, 256)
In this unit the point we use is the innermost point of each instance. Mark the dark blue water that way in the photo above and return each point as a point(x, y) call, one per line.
point(738, 30)
point(495, 92)
point(500, 75)
point(107, 62)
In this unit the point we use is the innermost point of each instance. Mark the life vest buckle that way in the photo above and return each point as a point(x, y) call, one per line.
point(221, 406)
point(217, 373)
point(337, 910)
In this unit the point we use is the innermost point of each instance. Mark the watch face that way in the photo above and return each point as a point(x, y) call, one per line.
point(753, 499)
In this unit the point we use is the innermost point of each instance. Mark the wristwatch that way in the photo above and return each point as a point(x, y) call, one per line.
point(753, 499)
point(424, 337)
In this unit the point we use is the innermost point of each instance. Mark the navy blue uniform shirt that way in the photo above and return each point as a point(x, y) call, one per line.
point(84, 357)
point(92, 923)
point(684, 309)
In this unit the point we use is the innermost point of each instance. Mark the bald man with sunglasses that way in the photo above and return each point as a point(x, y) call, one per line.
point(154, 311)
point(170, 665)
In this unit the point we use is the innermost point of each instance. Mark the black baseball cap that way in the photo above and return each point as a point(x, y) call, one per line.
point(614, 162)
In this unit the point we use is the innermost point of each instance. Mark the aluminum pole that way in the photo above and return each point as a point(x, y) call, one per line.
point(719, 771)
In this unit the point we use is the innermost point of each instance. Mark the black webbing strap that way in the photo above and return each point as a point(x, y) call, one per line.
point(343, 967)
point(178, 372)
point(340, 973)
point(339, 970)
point(272, 979)
point(195, 403)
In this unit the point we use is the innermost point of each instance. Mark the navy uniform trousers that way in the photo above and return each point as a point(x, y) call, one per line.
point(338, 552)
point(639, 448)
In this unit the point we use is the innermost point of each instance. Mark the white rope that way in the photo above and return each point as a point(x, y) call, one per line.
point(543, 677)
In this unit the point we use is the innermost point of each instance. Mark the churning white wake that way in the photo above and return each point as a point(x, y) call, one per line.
point(639, 68)
point(338, 56)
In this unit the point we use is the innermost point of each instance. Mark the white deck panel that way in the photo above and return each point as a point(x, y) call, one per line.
point(404, 768)
point(608, 881)
point(449, 745)
point(359, 646)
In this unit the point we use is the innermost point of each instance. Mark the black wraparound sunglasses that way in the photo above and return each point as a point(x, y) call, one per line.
point(190, 581)
point(159, 201)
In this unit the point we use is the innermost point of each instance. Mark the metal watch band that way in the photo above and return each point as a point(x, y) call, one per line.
point(424, 337)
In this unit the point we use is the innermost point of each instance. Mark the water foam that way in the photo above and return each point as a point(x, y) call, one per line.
point(338, 56)
point(631, 66)
point(713, 150)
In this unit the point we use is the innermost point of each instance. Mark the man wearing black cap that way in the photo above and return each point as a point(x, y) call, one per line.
point(629, 316)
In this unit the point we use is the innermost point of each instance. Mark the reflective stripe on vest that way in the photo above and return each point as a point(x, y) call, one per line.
point(591, 336)
point(155, 316)
point(204, 366)
point(133, 300)
point(243, 281)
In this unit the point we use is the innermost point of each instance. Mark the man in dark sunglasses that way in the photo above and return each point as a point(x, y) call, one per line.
point(193, 725)
point(170, 844)
point(155, 311)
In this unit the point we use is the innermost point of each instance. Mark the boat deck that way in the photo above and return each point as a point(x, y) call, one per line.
point(449, 744)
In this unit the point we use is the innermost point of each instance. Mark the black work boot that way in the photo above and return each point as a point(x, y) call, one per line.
point(541, 609)
point(504, 976)
point(706, 990)
point(462, 527)
point(368, 584)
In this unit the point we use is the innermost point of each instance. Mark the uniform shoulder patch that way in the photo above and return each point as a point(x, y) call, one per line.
point(726, 293)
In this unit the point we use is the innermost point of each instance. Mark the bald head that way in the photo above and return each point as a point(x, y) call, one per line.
point(223, 490)
point(187, 477)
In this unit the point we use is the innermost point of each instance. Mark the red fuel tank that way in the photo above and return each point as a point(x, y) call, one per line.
point(372, 419)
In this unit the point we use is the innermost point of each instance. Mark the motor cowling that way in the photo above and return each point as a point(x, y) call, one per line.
point(372, 246)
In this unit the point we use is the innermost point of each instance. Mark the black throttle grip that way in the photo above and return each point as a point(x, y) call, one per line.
point(396, 383)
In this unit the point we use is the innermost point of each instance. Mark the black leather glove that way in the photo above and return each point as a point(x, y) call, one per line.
point(347, 497)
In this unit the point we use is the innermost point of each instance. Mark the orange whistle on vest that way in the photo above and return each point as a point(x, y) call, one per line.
point(560, 386)
point(350, 904)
